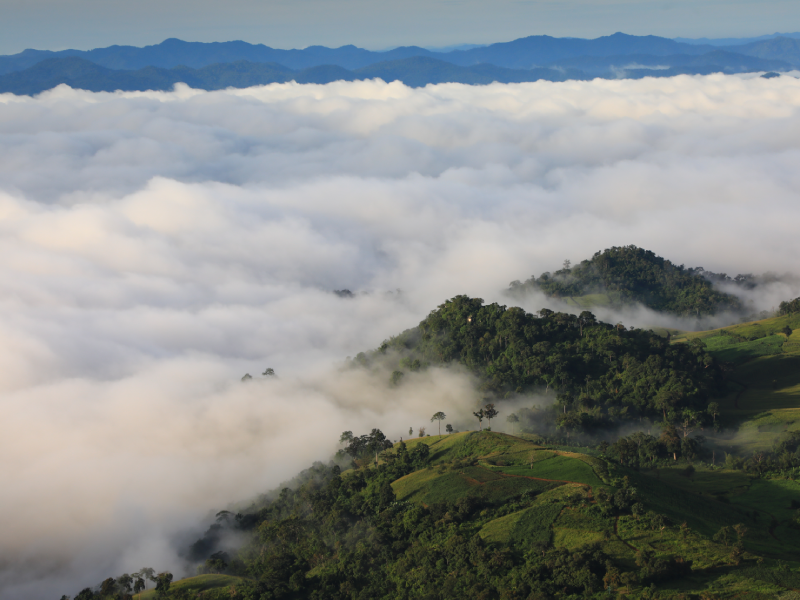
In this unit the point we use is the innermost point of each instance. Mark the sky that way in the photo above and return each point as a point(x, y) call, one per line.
point(157, 246)
point(375, 24)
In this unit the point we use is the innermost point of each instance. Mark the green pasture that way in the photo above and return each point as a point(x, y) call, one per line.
point(429, 486)
point(533, 524)
point(712, 498)
point(751, 330)
point(557, 467)
point(197, 584)
point(577, 527)
point(472, 445)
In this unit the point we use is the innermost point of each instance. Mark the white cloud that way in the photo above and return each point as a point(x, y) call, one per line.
point(154, 247)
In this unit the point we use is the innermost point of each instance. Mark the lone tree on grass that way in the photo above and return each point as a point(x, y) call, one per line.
point(513, 419)
point(448, 428)
point(480, 415)
point(490, 413)
point(439, 416)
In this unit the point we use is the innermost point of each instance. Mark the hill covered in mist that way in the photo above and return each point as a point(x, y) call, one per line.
point(630, 275)
point(600, 374)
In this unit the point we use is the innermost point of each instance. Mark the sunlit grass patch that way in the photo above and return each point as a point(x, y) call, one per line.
point(197, 584)
point(562, 468)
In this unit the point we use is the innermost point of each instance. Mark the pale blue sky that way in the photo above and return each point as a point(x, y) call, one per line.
point(374, 24)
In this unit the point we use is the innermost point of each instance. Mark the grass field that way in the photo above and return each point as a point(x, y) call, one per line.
point(712, 498)
point(764, 386)
point(195, 585)
point(557, 467)
point(429, 486)
point(531, 525)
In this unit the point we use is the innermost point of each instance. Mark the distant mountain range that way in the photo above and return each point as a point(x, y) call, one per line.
point(239, 64)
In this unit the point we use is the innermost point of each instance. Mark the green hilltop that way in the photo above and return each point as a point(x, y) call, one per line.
point(672, 473)
point(628, 274)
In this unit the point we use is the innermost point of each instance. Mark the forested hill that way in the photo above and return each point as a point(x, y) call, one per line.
point(601, 372)
point(629, 274)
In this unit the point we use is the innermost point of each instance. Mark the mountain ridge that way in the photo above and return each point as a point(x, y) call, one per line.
point(415, 71)
point(522, 53)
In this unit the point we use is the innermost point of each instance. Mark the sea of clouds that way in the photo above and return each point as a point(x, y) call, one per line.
point(155, 247)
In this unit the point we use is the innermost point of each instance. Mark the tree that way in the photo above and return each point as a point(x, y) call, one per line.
point(217, 562)
point(146, 573)
point(125, 582)
point(247, 377)
point(396, 378)
point(723, 536)
point(421, 432)
point(410, 431)
point(479, 415)
point(671, 441)
point(163, 581)
point(439, 416)
point(269, 372)
point(690, 419)
point(448, 428)
point(713, 410)
point(138, 584)
point(490, 413)
point(108, 587)
point(346, 437)
point(585, 319)
point(513, 419)
point(365, 446)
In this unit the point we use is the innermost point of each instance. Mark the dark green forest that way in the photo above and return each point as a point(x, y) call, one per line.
point(600, 374)
point(629, 274)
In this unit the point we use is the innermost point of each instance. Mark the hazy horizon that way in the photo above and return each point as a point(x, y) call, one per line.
point(87, 24)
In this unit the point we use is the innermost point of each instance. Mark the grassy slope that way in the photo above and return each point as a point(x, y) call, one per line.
point(568, 515)
point(765, 383)
point(197, 584)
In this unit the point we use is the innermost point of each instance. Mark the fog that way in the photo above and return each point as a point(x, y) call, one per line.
point(158, 246)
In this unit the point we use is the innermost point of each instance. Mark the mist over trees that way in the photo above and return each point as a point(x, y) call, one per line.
point(629, 274)
point(598, 374)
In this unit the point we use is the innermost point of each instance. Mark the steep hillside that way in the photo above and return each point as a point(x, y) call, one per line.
point(488, 515)
point(601, 374)
point(761, 361)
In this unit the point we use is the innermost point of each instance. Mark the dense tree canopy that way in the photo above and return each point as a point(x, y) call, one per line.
point(631, 274)
point(595, 367)
point(790, 307)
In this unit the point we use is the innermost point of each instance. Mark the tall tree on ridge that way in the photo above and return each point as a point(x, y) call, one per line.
point(439, 416)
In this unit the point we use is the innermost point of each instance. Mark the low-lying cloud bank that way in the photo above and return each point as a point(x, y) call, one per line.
point(156, 246)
